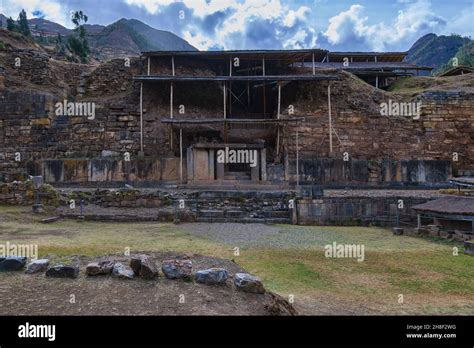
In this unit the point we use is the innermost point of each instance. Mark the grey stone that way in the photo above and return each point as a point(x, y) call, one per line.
point(248, 283)
point(121, 272)
point(212, 276)
point(61, 271)
point(469, 247)
point(144, 267)
point(398, 231)
point(12, 263)
point(39, 265)
point(100, 268)
point(177, 269)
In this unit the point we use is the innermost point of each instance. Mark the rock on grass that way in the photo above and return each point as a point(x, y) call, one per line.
point(248, 283)
point(212, 276)
point(36, 266)
point(12, 263)
point(61, 271)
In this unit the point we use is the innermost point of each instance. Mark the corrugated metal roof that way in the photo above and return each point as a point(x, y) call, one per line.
point(287, 56)
point(153, 78)
point(370, 56)
point(448, 205)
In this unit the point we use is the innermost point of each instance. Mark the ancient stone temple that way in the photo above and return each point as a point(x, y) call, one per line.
point(282, 118)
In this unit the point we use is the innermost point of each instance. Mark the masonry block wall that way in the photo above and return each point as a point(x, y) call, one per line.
point(29, 125)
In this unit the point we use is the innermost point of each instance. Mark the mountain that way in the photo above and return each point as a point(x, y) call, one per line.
point(124, 38)
point(47, 28)
point(437, 51)
point(130, 37)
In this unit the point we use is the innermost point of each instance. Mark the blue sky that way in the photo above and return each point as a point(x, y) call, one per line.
point(378, 25)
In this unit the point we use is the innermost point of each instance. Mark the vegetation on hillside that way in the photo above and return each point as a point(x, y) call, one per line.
point(77, 43)
point(463, 57)
point(438, 51)
point(21, 26)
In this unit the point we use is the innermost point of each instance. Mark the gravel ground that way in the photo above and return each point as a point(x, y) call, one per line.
point(384, 193)
point(300, 237)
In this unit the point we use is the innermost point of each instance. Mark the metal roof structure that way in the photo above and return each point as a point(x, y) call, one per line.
point(367, 56)
point(157, 78)
point(285, 56)
point(448, 205)
point(459, 70)
point(375, 66)
point(220, 120)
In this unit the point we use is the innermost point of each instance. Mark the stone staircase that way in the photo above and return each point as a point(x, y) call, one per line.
point(243, 207)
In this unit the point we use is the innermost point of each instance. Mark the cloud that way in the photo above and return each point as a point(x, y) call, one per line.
point(350, 30)
point(271, 24)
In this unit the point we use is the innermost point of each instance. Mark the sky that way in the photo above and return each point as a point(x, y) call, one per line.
point(338, 25)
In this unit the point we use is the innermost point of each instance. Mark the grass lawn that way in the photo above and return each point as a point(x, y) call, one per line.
point(290, 260)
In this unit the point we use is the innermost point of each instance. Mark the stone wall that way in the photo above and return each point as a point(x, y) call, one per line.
point(446, 126)
point(381, 149)
point(355, 211)
point(362, 172)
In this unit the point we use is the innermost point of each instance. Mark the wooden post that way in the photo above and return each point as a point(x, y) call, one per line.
point(330, 118)
point(141, 118)
point(148, 66)
point(171, 114)
point(377, 81)
point(172, 66)
point(181, 154)
point(225, 97)
point(263, 89)
point(418, 220)
point(278, 117)
point(314, 68)
point(297, 160)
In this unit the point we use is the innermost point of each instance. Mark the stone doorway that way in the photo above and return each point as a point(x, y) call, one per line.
point(226, 163)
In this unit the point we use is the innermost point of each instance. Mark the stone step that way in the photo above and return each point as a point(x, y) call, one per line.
point(236, 176)
point(245, 220)
point(211, 213)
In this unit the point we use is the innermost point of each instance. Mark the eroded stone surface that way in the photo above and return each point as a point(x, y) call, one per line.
point(36, 266)
point(12, 263)
point(248, 283)
point(177, 269)
point(61, 271)
point(212, 276)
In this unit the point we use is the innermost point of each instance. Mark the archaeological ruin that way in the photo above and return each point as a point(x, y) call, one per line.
point(237, 133)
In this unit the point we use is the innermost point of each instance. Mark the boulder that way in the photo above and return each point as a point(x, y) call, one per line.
point(212, 276)
point(248, 283)
point(144, 267)
point(469, 247)
point(278, 306)
point(36, 266)
point(121, 272)
point(100, 268)
point(12, 263)
point(177, 269)
point(61, 271)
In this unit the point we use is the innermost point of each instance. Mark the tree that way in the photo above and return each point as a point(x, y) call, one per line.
point(77, 43)
point(11, 25)
point(23, 26)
